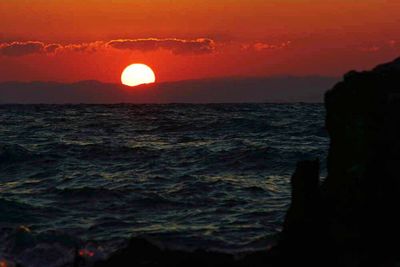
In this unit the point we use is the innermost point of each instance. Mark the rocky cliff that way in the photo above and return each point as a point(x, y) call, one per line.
point(358, 203)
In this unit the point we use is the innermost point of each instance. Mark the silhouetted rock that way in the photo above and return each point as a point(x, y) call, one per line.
point(150, 253)
point(303, 213)
point(144, 252)
point(356, 216)
point(362, 190)
point(303, 240)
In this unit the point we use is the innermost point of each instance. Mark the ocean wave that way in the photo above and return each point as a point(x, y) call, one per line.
point(196, 175)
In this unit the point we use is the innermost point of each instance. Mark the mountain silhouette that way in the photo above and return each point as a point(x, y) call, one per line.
point(221, 90)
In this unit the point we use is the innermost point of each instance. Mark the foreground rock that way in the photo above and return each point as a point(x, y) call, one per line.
point(144, 252)
point(358, 213)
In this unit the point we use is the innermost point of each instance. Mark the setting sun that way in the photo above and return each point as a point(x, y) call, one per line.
point(137, 74)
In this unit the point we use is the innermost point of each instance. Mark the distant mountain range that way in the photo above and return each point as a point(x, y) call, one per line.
point(309, 89)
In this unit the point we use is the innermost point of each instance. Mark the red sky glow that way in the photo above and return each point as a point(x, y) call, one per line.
point(75, 40)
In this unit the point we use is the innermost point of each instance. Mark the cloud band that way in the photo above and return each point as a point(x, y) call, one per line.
point(198, 46)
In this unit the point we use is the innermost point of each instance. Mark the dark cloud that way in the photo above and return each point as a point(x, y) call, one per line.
point(16, 49)
point(176, 46)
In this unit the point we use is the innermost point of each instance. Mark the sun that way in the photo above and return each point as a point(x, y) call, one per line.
point(137, 74)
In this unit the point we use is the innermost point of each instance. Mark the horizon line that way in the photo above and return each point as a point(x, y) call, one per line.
point(177, 81)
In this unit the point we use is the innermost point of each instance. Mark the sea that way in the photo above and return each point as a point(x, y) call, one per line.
point(88, 178)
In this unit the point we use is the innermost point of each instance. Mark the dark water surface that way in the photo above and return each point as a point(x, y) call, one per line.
point(190, 175)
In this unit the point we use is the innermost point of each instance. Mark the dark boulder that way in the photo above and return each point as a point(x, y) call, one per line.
point(147, 252)
point(303, 214)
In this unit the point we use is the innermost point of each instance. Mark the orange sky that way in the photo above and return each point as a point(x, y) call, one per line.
point(194, 39)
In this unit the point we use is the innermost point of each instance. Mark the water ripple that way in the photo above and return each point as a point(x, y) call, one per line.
point(195, 175)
